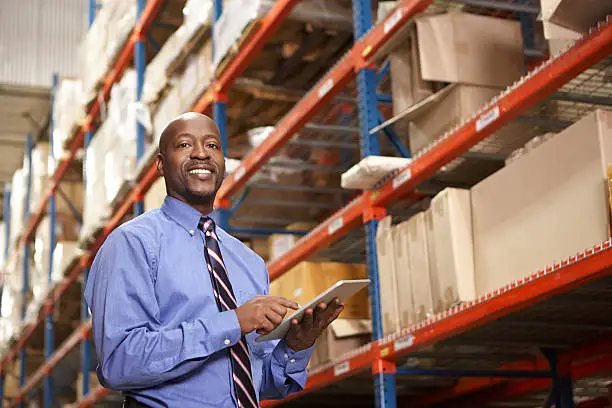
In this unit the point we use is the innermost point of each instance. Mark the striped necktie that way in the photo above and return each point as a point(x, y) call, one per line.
point(224, 296)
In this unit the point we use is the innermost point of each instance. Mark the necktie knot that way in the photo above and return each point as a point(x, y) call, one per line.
point(206, 225)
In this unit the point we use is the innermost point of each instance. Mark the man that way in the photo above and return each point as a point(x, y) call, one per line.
point(177, 302)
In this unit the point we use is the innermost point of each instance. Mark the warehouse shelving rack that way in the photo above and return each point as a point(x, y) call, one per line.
point(384, 357)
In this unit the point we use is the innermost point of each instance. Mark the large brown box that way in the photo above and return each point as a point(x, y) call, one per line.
point(387, 277)
point(470, 49)
point(403, 275)
point(544, 206)
point(451, 248)
point(418, 253)
point(307, 280)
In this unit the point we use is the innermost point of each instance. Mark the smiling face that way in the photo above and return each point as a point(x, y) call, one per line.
point(191, 160)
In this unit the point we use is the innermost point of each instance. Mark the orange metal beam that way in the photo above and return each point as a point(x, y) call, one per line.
point(333, 82)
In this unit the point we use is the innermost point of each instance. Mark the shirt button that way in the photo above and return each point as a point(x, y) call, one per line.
point(191, 232)
point(286, 356)
point(227, 342)
point(292, 360)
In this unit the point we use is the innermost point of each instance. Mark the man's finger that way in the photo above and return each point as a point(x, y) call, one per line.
point(274, 317)
point(278, 309)
point(286, 302)
point(307, 320)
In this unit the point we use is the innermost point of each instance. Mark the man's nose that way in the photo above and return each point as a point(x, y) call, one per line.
point(199, 151)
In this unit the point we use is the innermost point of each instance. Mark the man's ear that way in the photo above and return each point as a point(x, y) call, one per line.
point(159, 163)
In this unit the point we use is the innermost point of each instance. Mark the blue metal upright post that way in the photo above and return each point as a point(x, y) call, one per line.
point(220, 117)
point(92, 11)
point(49, 335)
point(384, 381)
point(7, 234)
point(139, 64)
point(26, 258)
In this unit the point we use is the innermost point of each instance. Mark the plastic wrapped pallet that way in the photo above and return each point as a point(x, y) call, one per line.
point(68, 113)
point(96, 201)
point(451, 248)
point(120, 158)
point(387, 277)
point(197, 14)
point(239, 14)
point(104, 41)
point(196, 76)
point(18, 193)
point(3, 227)
point(370, 170)
point(40, 175)
point(545, 206)
point(169, 108)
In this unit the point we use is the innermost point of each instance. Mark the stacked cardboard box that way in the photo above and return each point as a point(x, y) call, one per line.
point(545, 205)
point(477, 55)
point(425, 264)
point(279, 244)
point(340, 337)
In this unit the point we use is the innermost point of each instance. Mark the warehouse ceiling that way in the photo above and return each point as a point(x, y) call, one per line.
point(23, 110)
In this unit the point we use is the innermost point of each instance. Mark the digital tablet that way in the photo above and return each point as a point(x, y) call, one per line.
point(342, 290)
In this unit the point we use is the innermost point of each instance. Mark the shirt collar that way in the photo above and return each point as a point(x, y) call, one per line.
point(184, 214)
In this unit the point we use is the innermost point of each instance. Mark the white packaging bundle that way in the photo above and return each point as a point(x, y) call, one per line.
point(168, 110)
point(95, 203)
point(40, 174)
point(370, 170)
point(104, 40)
point(68, 111)
point(2, 243)
point(64, 254)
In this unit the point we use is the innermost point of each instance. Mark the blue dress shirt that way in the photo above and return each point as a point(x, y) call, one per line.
point(159, 335)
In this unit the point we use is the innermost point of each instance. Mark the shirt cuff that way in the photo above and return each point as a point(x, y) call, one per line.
point(227, 329)
point(293, 361)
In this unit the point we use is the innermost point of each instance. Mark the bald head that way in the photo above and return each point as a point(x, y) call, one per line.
point(179, 122)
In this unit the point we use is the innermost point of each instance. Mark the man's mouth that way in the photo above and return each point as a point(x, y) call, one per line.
point(200, 171)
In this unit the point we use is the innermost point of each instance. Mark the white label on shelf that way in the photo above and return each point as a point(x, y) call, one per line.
point(393, 20)
point(401, 178)
point(326, 87)
point(487, 118)
point(404, 342)
point(335, 225)
point(342, 368)
point(239, 173)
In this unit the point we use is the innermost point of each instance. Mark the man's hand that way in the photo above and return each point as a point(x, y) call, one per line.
point(263, 313)
point(303, 335)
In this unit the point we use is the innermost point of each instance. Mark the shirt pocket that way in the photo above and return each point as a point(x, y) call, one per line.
point(256, 348)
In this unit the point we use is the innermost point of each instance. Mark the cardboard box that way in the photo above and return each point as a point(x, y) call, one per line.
point(419, 255)
point(340, 337)
point(470, 49)
point(436, 115)
point(450, 239)
point(546, 205)
point(576, 15)
point(279, 244)
point(309, 279)
point(407, 84)
point(387, 277)
point(403, 273)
